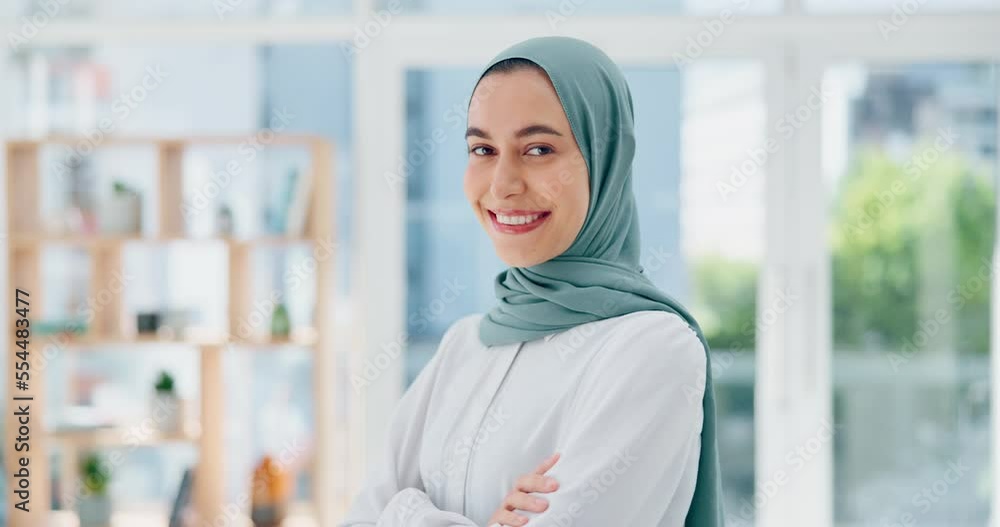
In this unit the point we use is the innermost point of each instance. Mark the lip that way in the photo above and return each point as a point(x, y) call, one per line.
point(517, 229)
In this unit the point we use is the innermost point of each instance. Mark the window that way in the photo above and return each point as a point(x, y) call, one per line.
point(214, 10)
point(911, 239)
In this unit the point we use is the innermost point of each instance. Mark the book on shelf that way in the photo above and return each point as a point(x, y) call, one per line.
point(300, 189)
point(183, 499)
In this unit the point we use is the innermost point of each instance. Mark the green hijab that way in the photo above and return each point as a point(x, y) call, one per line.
point(599, 275)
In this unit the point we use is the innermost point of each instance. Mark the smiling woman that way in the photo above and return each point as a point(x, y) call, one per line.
point(584, 395)
point(526, 178)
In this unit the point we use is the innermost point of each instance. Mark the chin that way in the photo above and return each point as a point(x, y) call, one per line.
point(515, 258)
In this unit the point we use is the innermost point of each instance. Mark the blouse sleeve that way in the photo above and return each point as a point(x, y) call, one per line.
point(393, 495)
point(630, 448)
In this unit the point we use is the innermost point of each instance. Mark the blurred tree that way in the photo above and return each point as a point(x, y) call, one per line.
point(725, 301)
point(907, 239)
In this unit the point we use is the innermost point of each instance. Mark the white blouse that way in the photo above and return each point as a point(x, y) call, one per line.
point(620, 399)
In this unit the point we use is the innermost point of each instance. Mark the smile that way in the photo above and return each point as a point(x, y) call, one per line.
point(516, 221)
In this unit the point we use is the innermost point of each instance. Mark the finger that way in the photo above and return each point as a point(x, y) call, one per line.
point(547, 464)
point(525, 502)
point(508, 518)
point(536, 483)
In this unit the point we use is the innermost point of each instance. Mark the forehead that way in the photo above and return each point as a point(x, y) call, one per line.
point(510, 98)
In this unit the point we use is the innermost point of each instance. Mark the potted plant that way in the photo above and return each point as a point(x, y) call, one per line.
point(122, 213)
point(166, 407)
point(281, 326)
point(94, 507)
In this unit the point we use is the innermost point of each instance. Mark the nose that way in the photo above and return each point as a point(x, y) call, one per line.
point(507, 178)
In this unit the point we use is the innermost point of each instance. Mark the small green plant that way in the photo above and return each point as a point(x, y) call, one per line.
point(121, 188)
point(165, 383)
point(280, 324)
point(95, 474)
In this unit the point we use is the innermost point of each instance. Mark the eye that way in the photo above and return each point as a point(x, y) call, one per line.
point(480, 150)
point(539, 150)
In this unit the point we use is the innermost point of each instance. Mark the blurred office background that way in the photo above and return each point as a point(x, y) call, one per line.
point(816, 180)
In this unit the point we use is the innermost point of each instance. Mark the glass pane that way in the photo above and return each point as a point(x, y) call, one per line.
point(910, 160)
point(721, 225)
point(198, 91)
point(901, 8)
point(558, 11)
point(41, 12)
point(701, 244)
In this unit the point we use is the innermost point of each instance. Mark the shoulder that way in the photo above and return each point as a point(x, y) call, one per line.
point(460, 335)
point(659, 341)
point(463, 329)
point(646, 356)
point(656, 329)
point(463, 334)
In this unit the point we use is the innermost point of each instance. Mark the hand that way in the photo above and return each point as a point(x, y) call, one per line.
point(518, 497)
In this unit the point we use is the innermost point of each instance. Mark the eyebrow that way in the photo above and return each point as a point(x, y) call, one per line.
point(523, 132)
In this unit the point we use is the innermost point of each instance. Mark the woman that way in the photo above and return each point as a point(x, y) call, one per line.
point(583, 398)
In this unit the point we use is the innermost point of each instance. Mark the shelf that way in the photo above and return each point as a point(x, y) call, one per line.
point(68, 339)
point(299, 337)
point(299, 515)
point(114, 324)
point(113, 141)
point(23, 241)
point(116, 436)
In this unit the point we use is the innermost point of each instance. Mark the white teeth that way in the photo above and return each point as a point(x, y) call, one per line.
point(517, 220)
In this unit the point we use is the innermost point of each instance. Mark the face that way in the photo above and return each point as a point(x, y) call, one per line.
point(526, 179)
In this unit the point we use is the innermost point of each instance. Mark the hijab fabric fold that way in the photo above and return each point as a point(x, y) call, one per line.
point(599, 275)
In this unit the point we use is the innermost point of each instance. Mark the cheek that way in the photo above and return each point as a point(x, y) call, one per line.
point(471, 184)
point(568, 189)
point(581, 199)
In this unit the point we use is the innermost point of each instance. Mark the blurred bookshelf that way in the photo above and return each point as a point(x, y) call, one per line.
point(111, 327)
